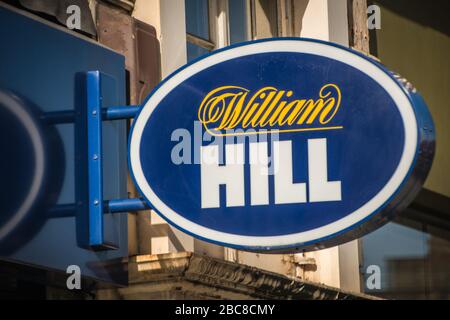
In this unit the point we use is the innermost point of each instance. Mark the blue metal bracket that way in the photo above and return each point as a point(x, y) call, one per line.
point(95, 169)
point(109, 113)
point(125, 205)
point(109, 206)
point(91, 207)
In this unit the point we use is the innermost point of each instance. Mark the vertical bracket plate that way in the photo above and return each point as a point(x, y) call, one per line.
point(96, 220)
point(90, 198)
point(95, 168)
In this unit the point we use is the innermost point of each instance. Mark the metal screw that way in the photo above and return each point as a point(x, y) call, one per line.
point(95, 157)
point(96, 202)
point(94, 112)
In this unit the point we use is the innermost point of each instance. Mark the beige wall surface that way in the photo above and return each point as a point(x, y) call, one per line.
point(418, 48)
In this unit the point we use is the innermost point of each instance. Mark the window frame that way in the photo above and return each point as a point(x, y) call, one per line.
point(207, 44)
point(219, 26)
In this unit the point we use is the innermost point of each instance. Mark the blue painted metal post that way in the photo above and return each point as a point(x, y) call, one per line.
point(125, 205)
point(109, 206)
point(92, 234)
point(95, 175)
point(120, 112)
point(109, 113)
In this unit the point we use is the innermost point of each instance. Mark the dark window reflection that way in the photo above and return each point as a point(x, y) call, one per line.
point(197, 22)
point(194, 51)
point(238, 20)
point(414, 261)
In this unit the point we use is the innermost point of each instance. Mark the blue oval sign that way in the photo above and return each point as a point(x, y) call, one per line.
point(281, 145)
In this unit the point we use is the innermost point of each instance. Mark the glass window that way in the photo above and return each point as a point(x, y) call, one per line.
point(197, 28)
point(238, 20)
point(194, 51)
point(197, 18)
point(202, 14)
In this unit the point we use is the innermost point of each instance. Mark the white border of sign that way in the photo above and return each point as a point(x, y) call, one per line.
point(310, 47)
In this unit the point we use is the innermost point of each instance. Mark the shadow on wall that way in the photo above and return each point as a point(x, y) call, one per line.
point(299, 9)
